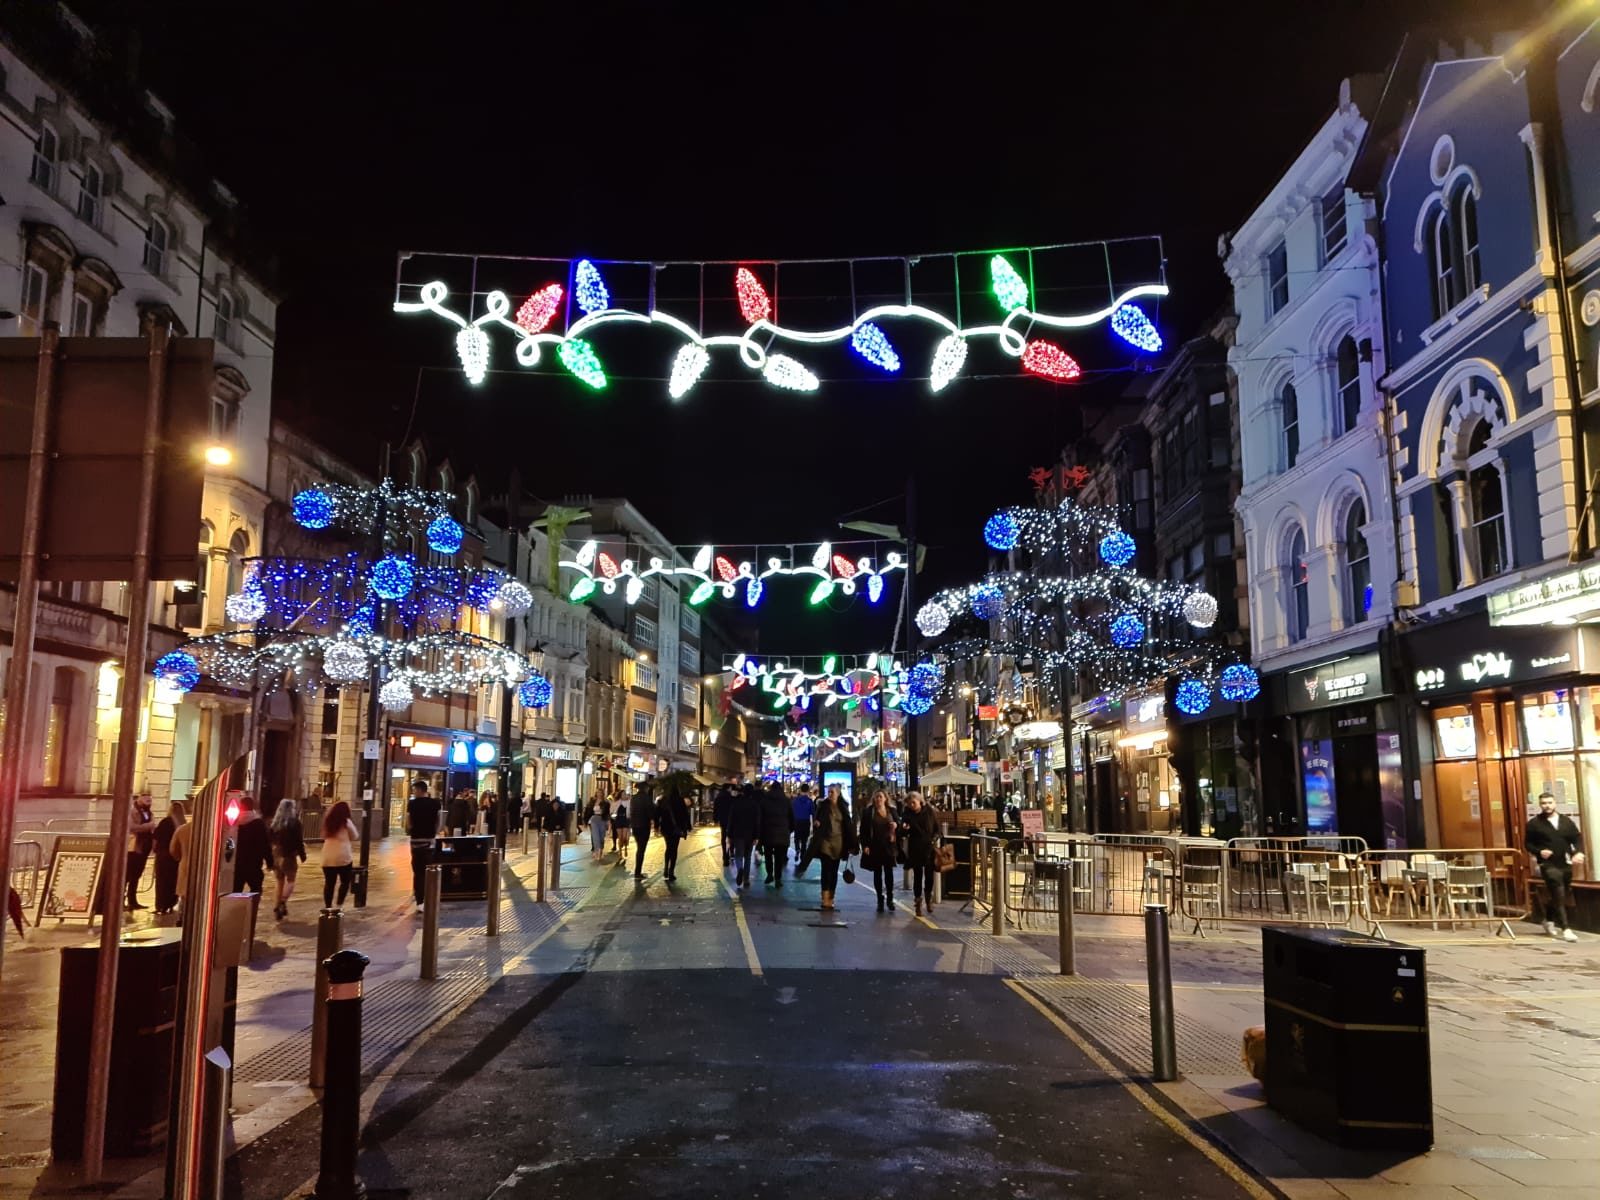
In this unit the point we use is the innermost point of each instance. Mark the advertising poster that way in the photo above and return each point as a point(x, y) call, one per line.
point(74, 877)
point(845, 779)
point(1392, 791)
point(1316, 769)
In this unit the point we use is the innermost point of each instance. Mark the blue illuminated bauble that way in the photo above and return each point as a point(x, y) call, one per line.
point(1127, 630)
point(536, 691)
point(1117, 549)
point(1193, 697)
point(313, 509)
point(915, 706)
point(1239, 683)
point(1001, 531)
point(484, 589)
point(923, 680)
point(364, 619)
point(445, 534)
point(178, 670)
point(988, 602)
point(392, 577)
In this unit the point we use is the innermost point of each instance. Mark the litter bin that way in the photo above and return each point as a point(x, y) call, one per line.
point(141, 1044)
point(465, 863)
point(1347, 1036)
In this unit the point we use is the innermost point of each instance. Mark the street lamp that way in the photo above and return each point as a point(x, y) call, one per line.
point(218, 455)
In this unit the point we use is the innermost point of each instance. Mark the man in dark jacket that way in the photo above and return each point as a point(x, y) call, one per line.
point(672, 818)
point(253, 848)
point(422, 826)
point(777, 821)
point(744, 827)
point(642, 815)
point(719, 812)
point(802, 808)
point(1555, 844)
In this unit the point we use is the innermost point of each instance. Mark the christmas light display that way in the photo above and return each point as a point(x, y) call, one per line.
point(987, 602)
point(1192, 697)
point(1001, 531)
point(312, 509)
point(1239, 683)
point(915, 706)
point(177, 670)
point(391, 577)
point(598, 571)
point(1117, 549)
point(923, 679)
point(843, 681)
point(395, 695)
point(795, 748)
point(444, 535)
point(513, 597)
point(344, 661)
point(1127, 630)
point(578, 356)
point(1200, 610)
point(247, 605)
point(359, 511)
point(532, 324)
point(536, 691)
point(932, 619)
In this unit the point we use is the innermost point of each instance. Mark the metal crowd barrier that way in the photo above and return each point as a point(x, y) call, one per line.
point(27, 871)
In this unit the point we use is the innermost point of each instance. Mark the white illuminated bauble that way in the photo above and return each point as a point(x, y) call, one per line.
point(515, 598)
point(933, 619)
point(1200, 610)
point(395, 695)
point(246, 606)
point(344, 662)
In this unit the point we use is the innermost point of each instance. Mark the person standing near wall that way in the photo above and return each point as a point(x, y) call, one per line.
point(1556, 846)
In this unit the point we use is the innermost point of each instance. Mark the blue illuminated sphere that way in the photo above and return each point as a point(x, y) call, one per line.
point(1193, 697)
point(483, 589)
point(1127, 630)
point(444, 534)
point(988, 602)
point(1116, 549)
point(178, 670)
point(1239, 682)
point(392, 577)
point(536, 691)
point(313, 509)
point(915, 706)
point(923, 680)
point(1001, 531)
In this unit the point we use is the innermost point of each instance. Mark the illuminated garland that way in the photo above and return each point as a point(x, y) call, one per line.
point(530, 323)
point(326, 593)
point(795, 750)
point(877, 680)
point(712, 573)
point(357, 510)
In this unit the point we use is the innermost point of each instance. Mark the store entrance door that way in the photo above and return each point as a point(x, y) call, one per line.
point(1357, 797)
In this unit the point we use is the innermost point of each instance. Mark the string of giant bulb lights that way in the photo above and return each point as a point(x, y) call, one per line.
point(532, 324)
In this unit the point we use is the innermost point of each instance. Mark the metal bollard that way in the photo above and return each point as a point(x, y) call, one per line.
point(330, 940)
point(218, 1068)
point(938, 885)
point(341, 1099)
point(538, 866)
point(1064, 933)
point(525, 825)
point(555, 861)
point(1158, 961)
point(492, 928)
point(432, 882)
point(997, 917)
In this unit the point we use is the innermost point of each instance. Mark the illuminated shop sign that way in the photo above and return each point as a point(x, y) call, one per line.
point(1463, 656)
point(1557, 598)
point(1345, 681)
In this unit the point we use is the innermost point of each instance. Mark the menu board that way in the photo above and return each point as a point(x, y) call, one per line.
point(74, 876)
point(1032, 822)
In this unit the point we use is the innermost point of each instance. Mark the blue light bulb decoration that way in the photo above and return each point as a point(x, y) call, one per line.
point(923, 680)
point(874, 588)
point(391, 577)
point(364, 619)
point(178, 670)
point(312, 509)
point(988, 602)
point(752, 593)
point(1130, 324)
point(873, 345)
point(445, 534)
point(1193, 697)
point(590, 290)
point(1239, 683)
point(1127, 630)
point(484, 588)
point(1002, 532)
point(915, 706)
point(536, 691)
point(1117, 549)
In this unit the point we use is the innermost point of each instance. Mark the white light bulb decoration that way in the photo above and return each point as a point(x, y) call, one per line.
point(472, 348)
point(344, 662)
point(932, 619)
point(395, 695)
point(687, 367)
point(1200, 610)
point(515, 598)
point(784, 372)
point(947, 361)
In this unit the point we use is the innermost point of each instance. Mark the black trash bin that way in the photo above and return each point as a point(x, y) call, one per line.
point(1347, 1036)
point(465, 866)
point(141, 1044)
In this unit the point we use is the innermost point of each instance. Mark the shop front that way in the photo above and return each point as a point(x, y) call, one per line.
point(557, 770)
point(447, 760)
point(1093, 802)
point(1147, 796)
point(1209, 756)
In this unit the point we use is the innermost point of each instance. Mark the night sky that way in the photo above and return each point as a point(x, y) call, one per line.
point(761, 131)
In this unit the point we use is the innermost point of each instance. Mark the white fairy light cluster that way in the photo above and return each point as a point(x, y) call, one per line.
point(796, 749)
point(846, 683)
point(356, 510)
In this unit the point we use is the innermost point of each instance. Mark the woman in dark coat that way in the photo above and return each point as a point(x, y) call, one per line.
point(744, 828)
point(777, 822)
point(878, 830)
point(166, 865)
point(672, 817)
point(833, 837)
point(642, 812)
point(920, 830)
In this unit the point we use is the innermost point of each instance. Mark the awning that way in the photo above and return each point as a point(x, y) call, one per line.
point(951, 776)
point(701, 779)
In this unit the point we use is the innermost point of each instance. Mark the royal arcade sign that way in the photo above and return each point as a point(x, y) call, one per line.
point(1564, 597)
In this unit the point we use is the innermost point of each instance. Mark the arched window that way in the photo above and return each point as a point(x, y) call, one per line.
point(1453, 247)
point(157, 238)
point(1289, 410)
point(1299, 588)
point(222, 324)
point(1464, 207)
point(1441, 262)
point(238, 550)
point(1358, 565)
point(1486, 497)
point(46, 158)
point(1347, 376)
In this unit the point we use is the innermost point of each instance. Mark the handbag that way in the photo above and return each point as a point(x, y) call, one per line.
point(868, 859)
point(944, 858)
point(849, 875)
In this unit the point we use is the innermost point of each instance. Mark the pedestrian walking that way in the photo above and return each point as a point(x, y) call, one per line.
point(178, 851)
point(1556, 846)
point(833, 837)
point(642, 816)
point(461, 813)
point(489, 813)
point(744, 828)
point(252, 849)
point(721, 804)
point(619, 826)
point(422, 826)
point(288, 852)
point(801, 809)
point(339, 835)
point(554, 820)
point(167, 866)
point(777, 823)
point(920, 831)
point(877, 833)
point(598, 816)
point(141, 837)
point(672, 817)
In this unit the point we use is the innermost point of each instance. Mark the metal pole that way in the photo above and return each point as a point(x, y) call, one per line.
point(997, 915)
point(555, 861)
point(214, 1125)
point(539, 873)
point(502, 809)
point(431, 884)
point(493, 893)
point(27, 610)
point(330, 940)
point(116, 860)
point(367, 776)
point(528, 820)
point(341, 1099)
point(1158, 962)
point(912, 747)
point(1064, 904)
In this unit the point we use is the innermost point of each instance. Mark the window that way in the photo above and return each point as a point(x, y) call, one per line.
point(1358, 564)
point(222, 322)
point(1465, 206)
point(691, 622)
point(1222, 545)
point(689, 658)
point(644, 631)
point(1193, 444)
point(1487, 498)
point(1289, 406)
point(1299, 588)
point(691, 696)
point(644, 726)
point(651, 593)
point(1333, 223)
point(91, 192)
point(644, 676)
point(156, 239)
point(1277, 279)
point(224, 418)
point(35, 290)
point(83, 315)
point(1347, 378)
point(1219, 423)
point(46, 158)
point(1453, 248)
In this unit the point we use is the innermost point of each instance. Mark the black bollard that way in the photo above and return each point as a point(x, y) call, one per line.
point(1158, 965)
point(341, 1096)
point(330, 937)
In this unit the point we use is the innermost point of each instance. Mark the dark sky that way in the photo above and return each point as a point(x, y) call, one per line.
point(701, 131)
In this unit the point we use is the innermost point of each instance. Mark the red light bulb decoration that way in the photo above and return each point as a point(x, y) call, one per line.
point(754, 303)
point(726, 569)
point(844, 566)
point(1049, 361)
point(608, 565)
point(539, 309)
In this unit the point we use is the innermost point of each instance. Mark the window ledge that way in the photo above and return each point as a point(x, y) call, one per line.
point(1455, 316)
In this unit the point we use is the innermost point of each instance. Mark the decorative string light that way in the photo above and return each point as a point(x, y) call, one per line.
point(391, 577)
point(932, 619)
point(784, 372)
point(312, 509)
point(246, 606)
point(445, 534)
point(987, 602)
point(344, 661)
point(1239, 683)
point(1127, 630)
point(590, 292)
point(514, 597)
point(178, 670)
point(948, 359)
point(539, 309)
point(687, 368)
point(1200, 610)
point(1049, 361)
point(1117, 549)
point(873, 345)
point(578, 356)
point(1009, 287)
point(472, 348)
point(754, 304)
point(536, 691)
point(785, 682)
point(1130, 324)
point(395, 695)
point(1193, 697)
point(359, 510)
point(915, 706)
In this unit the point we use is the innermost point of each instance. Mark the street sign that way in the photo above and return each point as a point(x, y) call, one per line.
point(370, 749)
point(988, 712)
